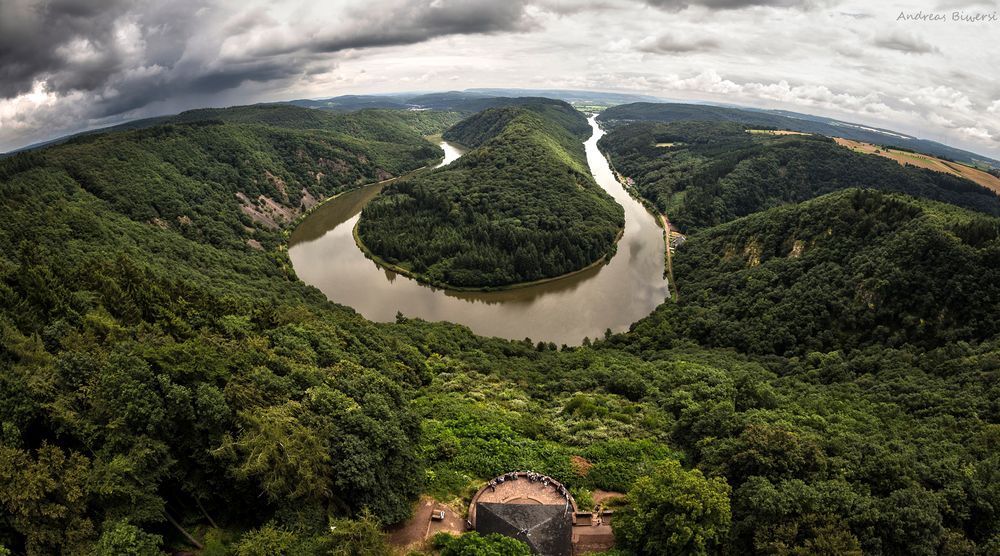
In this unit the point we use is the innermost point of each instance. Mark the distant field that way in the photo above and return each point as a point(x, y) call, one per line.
point(984, 179)
point(775, 132)
point(668, 145)
point(591, 107)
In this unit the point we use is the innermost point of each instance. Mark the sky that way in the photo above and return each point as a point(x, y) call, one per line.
point(927, 68)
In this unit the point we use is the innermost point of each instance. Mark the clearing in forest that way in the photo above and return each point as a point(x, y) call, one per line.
point(919, 160)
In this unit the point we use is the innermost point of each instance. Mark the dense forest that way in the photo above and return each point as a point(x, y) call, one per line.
point(521, 205)
point(667, 112)
point(715, 172)
point(838, 272)
point(233, 177)
point(827, 383)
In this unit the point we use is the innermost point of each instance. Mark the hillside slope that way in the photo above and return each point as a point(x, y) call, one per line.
point(520, 206)
point(845, 271)
point(152, 382)
point(713, 172)
point(228, 179)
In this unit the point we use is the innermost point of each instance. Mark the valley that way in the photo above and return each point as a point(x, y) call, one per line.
point(565, 310)
point(519, 207)
point(197, 359)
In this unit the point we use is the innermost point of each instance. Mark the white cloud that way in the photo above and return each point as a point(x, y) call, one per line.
point(674, 44)
point(18, 112)
point(940, 120)
point(905, 42)
point(977, 133)
point(945, 97)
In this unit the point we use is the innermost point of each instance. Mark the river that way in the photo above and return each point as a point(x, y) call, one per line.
point(611, 296)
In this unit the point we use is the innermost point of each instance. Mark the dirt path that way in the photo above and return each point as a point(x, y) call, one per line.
point(414, 533)
point(668, 260)
point(600, 496)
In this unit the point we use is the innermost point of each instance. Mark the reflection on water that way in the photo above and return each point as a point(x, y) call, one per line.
point(564, 311)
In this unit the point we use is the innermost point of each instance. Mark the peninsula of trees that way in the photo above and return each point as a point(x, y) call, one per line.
point(520, 206)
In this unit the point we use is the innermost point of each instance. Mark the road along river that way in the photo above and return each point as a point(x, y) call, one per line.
point(564, 311)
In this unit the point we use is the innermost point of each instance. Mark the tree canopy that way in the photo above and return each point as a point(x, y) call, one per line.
point(715, 172)
point(520, 206)
point(673, 511)
point(834, 361)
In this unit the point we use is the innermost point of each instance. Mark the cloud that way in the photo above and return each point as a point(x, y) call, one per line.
point(76, 63)
point(678, 5)
point(905, 42)
point(978, 133)
point(709, 81)
point(573, 7)
point(109, 46)
point(405, 22)
point(66, 65)
point(945, 97)
point(77, 44)
point(670, 44)
point(952, 4)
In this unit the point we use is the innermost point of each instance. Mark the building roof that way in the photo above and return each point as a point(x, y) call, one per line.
point(521, 488)
point(546, 528)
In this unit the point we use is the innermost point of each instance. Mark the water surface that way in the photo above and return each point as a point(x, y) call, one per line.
point(628, 288)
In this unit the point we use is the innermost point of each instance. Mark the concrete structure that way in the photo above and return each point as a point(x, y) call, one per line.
point(540, 512)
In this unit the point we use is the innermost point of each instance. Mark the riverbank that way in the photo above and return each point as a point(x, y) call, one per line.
point(290, 227)
point(605, 259)
point(528, 190)
point(661, 220)
point(669, 259)
point(563, 310)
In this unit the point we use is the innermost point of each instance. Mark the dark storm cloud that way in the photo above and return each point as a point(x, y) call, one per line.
point(669, 44)
point(410, 22)
point(122, 55)
point(132, 94)
point(66, 65)
point(43, 37)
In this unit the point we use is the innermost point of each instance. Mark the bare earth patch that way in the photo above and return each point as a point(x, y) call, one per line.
point(278, 184)
point(980, 177)
point(266, 211)
point(601, 496)
point(414, 533)
point(308, 201)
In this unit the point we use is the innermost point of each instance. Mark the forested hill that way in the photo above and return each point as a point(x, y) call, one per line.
point(473, 132)
point(774, 119)
point(705, 173)
point(161, 390)
point(850, 270)
point(234, 176)
point(520, 206)
point(363, 122)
